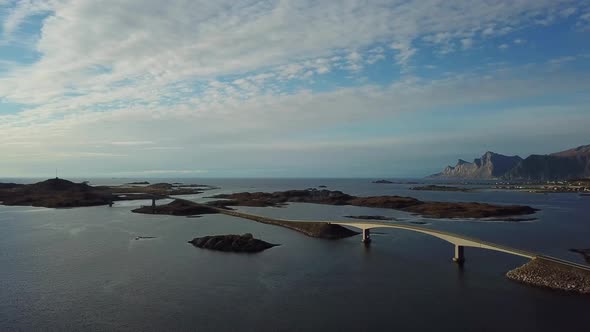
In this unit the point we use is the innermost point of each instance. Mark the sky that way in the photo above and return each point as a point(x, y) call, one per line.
point(302, 88)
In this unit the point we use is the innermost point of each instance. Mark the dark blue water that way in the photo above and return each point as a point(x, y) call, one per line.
point(82, 269)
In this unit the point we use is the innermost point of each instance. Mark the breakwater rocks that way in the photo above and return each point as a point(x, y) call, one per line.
point(547, 273)
point(234, 243)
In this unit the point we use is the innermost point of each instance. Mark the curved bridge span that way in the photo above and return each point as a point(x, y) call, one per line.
point(460, 241)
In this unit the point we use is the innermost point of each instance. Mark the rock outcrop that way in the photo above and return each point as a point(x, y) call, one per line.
point(234, 243)
point(178, 207)
point(54, 193)
point(434, 187)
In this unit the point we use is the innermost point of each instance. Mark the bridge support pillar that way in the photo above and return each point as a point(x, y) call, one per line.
point(459, 254)
point(366, 236)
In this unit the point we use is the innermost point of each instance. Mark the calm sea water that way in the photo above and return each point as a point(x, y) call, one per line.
point(82, 269)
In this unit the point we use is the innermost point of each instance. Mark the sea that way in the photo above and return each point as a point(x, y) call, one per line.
point(82, 269)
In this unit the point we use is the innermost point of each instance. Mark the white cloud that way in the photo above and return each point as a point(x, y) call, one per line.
point(404, 52)
point(466, 43)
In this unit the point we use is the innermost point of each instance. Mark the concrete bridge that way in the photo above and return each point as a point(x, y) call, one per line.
point(460, 241)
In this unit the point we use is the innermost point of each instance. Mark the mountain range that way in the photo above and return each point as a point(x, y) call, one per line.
point(568, 164)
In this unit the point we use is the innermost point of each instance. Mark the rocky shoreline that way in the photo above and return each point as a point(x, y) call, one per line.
point(546, 273)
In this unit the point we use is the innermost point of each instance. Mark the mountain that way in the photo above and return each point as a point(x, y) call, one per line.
point(490, 166)
point(568, 164)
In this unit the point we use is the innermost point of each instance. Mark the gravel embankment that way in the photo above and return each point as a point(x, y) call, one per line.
point(545, 273)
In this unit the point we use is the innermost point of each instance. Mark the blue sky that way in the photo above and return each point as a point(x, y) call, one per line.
point(306, 88)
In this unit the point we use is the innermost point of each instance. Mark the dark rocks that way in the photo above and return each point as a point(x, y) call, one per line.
point(178, 207)
point(260, 199)
point(60, 193)
point(434, 187)
point(54, 193)
point(550, 274)
point(144, 237)
point(232, 243)
point(383, 182)
point(408, 204)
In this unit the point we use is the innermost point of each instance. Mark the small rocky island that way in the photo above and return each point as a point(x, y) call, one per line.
point(232, 243)
point(178, 207)
point(382, 182)
point(434, 187)
point(451, 210)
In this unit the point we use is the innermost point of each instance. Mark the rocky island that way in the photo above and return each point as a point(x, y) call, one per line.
point(449, 210)
point(54, 193)
point(382, 182)
point(232, 243)
point(434, 187)
point(60, 193)
point(178, 207)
